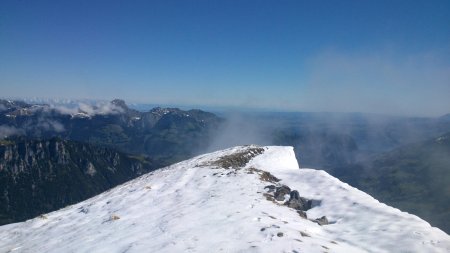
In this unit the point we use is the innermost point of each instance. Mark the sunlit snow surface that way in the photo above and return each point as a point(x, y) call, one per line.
point(193, 207)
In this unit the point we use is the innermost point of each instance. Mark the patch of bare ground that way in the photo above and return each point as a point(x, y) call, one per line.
point(238, 159)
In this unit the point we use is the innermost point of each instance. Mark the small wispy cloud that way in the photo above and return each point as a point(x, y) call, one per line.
point(50, 125)
point(239, 129)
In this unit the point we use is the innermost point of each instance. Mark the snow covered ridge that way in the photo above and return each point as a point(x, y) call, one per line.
point(225, 202)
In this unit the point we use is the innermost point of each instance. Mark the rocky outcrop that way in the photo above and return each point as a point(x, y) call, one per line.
point(278, 193)
point(239, 159)
point(322, 221)
point(281, 191)
point(297, 202)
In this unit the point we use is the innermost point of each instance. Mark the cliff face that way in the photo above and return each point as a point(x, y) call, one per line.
point(41, 176)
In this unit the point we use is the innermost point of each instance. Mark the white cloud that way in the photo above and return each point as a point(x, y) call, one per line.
point(99, 108)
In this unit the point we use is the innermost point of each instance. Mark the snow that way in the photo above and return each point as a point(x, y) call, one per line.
point(194, 206)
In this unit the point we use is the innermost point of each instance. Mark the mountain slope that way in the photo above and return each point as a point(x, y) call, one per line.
point(225, 201)
point(414, 178)
point(38, 176)
point(166, 134)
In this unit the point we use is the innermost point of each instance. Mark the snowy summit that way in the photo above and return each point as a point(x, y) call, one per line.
point(243, 199)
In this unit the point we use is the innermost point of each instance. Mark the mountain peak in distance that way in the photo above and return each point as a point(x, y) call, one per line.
point(120, 103)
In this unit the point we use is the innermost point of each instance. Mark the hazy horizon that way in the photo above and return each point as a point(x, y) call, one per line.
point(226, 110)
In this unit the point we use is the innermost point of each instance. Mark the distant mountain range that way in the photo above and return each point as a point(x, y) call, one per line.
point(165, 134)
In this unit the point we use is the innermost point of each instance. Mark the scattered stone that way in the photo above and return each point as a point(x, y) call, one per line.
point(266, 176)
point(231, 172)
point(114, 217)
point(297, 202)
point(262, 229)
point(237, 160)
point(281, 191)
point(322, 221)
point(302, 214)
point(263, 175)
point(268, 196)
point(280, 234)
point(304, 234)
point(148, 187)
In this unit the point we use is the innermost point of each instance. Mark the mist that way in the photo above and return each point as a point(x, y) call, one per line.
point(378, 81)
point(328, 141)
point(240, 129)
point(6, 131)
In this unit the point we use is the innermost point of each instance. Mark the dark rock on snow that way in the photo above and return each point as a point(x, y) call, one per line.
point(297, 202)
point(322, 221)
point(281, 191)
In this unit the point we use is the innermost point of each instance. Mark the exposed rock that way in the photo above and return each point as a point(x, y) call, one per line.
point(266, 176)
point(239, 159)
point(304, 234)
point(114, 217)
point(268, 196)
point(322, 221)
point(297, 202)
point(281, 191)
point(271, 188)
point(263, 175)
point(302, 214)
point(91, 169)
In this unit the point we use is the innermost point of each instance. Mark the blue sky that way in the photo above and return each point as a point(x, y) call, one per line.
point(368, 56)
